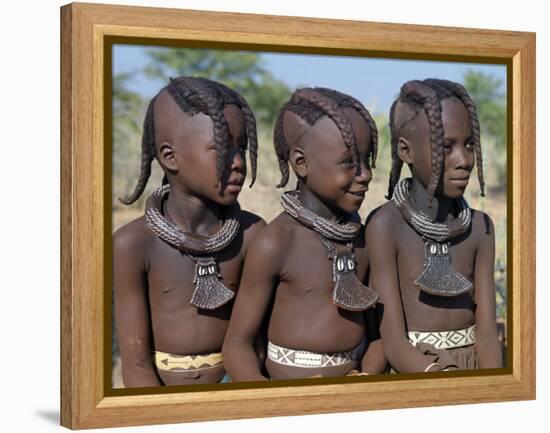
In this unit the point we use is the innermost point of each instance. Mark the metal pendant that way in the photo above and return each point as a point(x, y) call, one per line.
point(210, 293)
point(349, 293)
point(438, 276)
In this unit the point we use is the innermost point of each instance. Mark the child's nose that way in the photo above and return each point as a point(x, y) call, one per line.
point(462, 158)
point(365, 176)
point(236, 158)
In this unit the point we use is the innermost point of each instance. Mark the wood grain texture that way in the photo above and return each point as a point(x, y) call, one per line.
point(523, 220)
point(66, 375)
point(84, 395)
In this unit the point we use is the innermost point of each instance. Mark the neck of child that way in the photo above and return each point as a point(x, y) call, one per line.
point(441, 206)
point(191, 213)
point(311, 201)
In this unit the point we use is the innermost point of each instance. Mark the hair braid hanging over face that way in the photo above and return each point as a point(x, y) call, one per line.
point(332, 110)
point(427, 95)
point(214, 109)
point(311, 104)
point(199, 95)
point(230, 96)
point(460, 92)
point(349, 101)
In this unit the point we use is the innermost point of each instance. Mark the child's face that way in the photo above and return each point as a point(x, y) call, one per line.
point(331, 172)
point(458, 149)
point(191, 156)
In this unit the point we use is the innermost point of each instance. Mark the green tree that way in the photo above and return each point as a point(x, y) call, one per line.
point(128, 114)
point(489, 95)
point(128, 108)
point(241, 71)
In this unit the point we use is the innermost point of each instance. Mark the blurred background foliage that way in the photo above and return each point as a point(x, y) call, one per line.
point(246, 73)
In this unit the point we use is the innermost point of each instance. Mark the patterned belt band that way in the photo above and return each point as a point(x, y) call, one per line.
point(445, 339)
point(303, 358)
point(168, 362)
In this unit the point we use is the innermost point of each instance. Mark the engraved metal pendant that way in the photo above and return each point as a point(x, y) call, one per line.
point(349, 293)
point(438, 276)
point(210, 293)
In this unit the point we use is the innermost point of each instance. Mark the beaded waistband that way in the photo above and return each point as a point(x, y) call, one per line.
point(303, 358)
point(444, 339)
point(168, 362)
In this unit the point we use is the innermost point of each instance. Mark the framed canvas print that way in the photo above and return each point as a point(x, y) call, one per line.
point(340, 280)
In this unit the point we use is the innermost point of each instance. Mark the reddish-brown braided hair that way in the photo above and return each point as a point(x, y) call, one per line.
point(194, 95)
point(427, 95)
point(311, 104)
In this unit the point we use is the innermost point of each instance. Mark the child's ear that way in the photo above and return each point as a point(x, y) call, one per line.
point(298, 162)
point(404, 150)
point(166, 156)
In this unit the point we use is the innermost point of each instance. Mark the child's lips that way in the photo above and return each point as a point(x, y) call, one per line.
point(234, 187)
point(235, 184)
point(358, 193)
point(460, 181)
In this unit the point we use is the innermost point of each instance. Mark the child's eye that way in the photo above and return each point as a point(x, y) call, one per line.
point(348, 162)
point(470, 145)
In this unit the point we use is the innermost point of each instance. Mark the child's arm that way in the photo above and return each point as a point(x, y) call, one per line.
point(487, 344)
point(132, 310)
point(253, 225)
point(382, 243)
point(374, 360)
point(260, 274)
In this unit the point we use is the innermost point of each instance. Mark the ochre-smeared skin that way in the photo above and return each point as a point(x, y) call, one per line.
point(287, 274)
point(153, 282)
point(398, 252)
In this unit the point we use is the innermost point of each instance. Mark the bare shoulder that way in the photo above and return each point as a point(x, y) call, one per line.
point(251, 224)
point(133, 237)
point(275, 236)
point(383, 221)
point(482, 224)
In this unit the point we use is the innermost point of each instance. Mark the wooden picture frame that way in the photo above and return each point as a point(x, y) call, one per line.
point(87, 398)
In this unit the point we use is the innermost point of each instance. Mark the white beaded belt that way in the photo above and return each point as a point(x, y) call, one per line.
point(303, 358)
point(444, 339)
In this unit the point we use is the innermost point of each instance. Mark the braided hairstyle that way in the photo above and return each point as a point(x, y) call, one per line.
point(310, 104)
point(198, 95)
point(427, 95)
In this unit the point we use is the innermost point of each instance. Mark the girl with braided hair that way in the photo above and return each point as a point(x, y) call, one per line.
point(434, 261)
point(303, 277)
point(177, 268)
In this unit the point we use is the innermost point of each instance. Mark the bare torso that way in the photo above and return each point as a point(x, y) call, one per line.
point(176, 326)
point(425, 312)
point(404, 307)
point(303, 315)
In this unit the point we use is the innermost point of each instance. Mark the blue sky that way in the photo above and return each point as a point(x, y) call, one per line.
point(374, 81)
